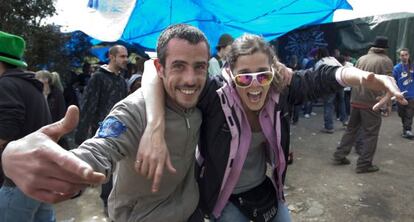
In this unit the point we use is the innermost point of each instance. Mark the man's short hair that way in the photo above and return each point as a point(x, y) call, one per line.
point(181, 31)
point(404, 49)
point(114, 50)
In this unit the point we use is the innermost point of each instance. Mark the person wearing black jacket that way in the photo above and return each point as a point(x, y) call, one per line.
point(23, 109)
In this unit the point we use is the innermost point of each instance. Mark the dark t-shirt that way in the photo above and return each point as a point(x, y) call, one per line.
point(23, 108)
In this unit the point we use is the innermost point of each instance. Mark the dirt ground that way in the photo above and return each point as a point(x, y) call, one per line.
point(317, 190)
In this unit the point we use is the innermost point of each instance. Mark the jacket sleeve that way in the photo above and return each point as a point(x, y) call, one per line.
point(88, 108)
point(311, 84)
point(12, 111)
point(112, 143)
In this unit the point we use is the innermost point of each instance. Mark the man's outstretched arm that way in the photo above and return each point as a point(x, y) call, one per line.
point(45, 171)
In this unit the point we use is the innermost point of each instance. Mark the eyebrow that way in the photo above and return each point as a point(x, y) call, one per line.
point(201, 63)
point(179, 62)
point(247, 70)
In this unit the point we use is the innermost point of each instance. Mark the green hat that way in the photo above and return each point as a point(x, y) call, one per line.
point(12, 49)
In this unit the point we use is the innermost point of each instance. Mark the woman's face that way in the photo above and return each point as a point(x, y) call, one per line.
point(253, 96)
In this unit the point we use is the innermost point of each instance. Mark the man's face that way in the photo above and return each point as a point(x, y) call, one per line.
point(121, 58)
point(404, 56)
point(185, 71)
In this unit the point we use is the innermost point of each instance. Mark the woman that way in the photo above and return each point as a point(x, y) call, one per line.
point(245, 129)
point(53, 92)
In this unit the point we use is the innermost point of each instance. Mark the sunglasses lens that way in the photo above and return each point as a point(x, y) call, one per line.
point(264, 78)
point(243, 80)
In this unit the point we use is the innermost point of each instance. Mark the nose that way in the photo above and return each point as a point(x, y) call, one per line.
point(255, 82)
point(189, 77)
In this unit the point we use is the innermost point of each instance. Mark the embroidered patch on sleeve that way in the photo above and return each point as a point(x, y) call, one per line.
point(111, 127)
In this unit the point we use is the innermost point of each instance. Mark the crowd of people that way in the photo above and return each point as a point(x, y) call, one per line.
point(197, 137)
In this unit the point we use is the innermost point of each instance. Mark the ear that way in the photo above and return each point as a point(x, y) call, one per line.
point(159, 67)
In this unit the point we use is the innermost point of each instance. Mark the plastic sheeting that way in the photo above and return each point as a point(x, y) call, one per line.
point(141, 21)
point(269, 18)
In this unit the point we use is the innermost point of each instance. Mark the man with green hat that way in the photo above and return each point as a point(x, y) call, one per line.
point(23, 109)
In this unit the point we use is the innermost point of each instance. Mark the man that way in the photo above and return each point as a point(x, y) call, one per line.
point(105, 88)
point(23, 109)
point(223, 47)
point(403, 73)
point(183, 53)
point(362, 115)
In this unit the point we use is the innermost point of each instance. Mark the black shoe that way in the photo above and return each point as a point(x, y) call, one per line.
point(369, 169)
point(343, 161)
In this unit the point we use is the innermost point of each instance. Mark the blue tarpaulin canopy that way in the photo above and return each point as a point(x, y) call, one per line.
point(269, 18)
point(141, 21)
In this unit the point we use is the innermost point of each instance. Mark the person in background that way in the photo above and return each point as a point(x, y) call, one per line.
point(134, 82)
point(53, 92)
point(403, 73)
point(309, 63)
point(347, 90)
point(363, 116)
point(23, 109)
point(84, 77)
point(294, 109)
point(323, 57)
point(340, 99)
point(217, 61)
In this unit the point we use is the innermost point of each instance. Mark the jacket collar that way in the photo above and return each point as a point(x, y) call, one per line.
point(176, 108)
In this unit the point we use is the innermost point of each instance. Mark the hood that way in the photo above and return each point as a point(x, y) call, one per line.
point(25, 75)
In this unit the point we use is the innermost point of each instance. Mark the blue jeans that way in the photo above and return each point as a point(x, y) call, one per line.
point(307, 109)
point(15, 206)
point(328, 108)
point(341, 106)
point(231, 213)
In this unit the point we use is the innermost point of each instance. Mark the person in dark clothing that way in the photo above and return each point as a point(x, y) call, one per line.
point(23, 110)
point(69, 92)
point(53, 93)
point(105, 88)
point(84, 76)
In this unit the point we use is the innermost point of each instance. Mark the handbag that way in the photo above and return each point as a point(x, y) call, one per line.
point(259, 204)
